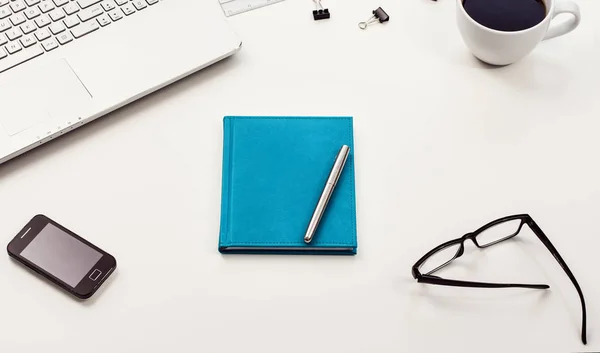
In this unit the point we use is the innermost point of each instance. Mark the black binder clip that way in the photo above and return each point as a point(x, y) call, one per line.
point(320, 13)
point(378, 15)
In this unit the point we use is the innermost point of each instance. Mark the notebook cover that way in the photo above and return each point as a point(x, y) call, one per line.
point(274, 170)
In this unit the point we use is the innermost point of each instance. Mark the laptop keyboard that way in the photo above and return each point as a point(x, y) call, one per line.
point(30, 28)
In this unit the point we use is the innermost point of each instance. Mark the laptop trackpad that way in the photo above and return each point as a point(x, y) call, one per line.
point(53, 93)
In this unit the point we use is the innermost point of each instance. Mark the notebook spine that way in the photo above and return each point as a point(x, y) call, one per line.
point(226, 181)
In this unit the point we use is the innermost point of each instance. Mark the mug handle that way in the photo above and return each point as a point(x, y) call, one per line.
point(558, 29)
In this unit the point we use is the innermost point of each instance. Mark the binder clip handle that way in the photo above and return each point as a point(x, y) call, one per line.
point(378, 15)
point(320, 13)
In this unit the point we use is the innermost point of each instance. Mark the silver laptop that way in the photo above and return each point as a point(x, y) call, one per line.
point(64, 63)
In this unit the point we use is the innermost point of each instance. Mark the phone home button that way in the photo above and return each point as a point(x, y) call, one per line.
point(95, 274)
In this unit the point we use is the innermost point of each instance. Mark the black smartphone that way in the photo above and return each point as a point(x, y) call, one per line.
point(62, 257)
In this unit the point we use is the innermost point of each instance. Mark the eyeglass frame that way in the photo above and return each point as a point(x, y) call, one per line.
point(428, 278)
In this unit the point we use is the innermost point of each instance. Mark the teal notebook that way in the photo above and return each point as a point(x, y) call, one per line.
point(274, 170)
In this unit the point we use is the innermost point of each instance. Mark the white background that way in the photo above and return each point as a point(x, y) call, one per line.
point(443, 144)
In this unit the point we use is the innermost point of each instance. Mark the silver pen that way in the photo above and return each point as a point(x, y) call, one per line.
point(332, 180)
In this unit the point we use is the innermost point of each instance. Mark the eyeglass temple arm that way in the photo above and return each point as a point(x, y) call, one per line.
point(544, 239)
point(456, 283)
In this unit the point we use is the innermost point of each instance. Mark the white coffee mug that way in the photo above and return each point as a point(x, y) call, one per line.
point(503, 48)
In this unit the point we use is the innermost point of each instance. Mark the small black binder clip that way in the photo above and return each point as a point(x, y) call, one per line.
point(320, 13)
point(378, 15)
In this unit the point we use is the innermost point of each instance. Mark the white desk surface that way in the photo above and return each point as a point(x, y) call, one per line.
point(444, 144)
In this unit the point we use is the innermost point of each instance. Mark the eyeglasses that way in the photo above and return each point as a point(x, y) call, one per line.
point(490, 234)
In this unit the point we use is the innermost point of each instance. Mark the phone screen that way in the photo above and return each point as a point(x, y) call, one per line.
point(61, 255)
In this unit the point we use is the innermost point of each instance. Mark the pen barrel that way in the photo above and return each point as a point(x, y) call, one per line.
point(332, 180)
point(319, 211)
point(338, 165)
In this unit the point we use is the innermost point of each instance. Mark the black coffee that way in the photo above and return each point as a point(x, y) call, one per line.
point(506, 15)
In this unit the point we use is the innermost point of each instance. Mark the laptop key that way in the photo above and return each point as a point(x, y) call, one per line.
point(5, 12)
point(103, 20)
point(71, 8)
point(46, 6)
point(115, 15)
point(31, 3)
point(20, 58)
point(3, 53)
point(139, 4)
point(56, 28)
point(13, 34)
point(87, 3)
point(90, 13)
point(17, 6)
point(28, 41)
point(151, 2)
point(13, 47)
point(3, 40)
point(32, 12)
point(127, 9)
point(50, 44)
point(4, 2)
point(71, 22)
point(108, 6)
point(57, 15)
point(121, 2)
point(84, 28)
point(17, 19)
point(4, 25)
point(28, 28)
point(64, 38)
point(42, 21)
point(59, 3)
point(42, 34)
